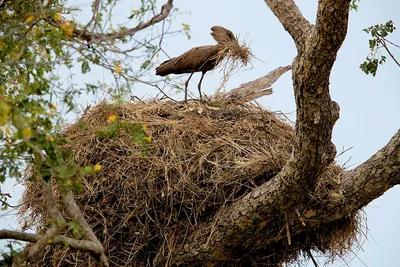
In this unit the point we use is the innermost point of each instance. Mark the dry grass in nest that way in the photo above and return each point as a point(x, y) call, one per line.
point(236, 52)
point(142, 205)
point(234, 55)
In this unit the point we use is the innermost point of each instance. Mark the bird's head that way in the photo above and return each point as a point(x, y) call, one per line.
point(222, 35)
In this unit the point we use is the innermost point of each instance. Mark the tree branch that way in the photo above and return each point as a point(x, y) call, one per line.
point(57, 240)
point(374, 177)
point(254, 89)
point(94, 36)
point(291, 18)
point(360, 186)
point(74, 211)
point(58, 224)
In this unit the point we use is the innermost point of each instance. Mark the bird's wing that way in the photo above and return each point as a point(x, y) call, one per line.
point(200, 58)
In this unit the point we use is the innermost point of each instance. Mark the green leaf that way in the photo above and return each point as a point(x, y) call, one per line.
point(85, 67)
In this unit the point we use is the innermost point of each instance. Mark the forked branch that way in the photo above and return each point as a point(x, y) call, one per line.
point(95, 36)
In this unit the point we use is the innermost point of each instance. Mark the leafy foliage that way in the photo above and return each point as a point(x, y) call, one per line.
point(39, 37)
point(354, 5)
point(379, 40)
point(7, 256)
point(43, 47)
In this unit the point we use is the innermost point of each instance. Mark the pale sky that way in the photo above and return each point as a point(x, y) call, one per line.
point(370, 110)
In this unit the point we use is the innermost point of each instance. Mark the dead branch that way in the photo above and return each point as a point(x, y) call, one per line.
point(254, 89)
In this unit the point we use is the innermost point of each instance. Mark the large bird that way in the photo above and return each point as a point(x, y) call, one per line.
point(202, 58)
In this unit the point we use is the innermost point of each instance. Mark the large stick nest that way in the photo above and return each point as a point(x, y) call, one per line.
point(148, 197)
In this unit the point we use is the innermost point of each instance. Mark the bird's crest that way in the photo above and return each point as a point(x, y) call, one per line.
point(222, 35)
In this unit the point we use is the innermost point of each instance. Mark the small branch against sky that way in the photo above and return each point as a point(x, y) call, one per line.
point(379, 41)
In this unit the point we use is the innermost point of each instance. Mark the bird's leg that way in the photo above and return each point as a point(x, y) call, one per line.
point(199, 86)
point(186, 86)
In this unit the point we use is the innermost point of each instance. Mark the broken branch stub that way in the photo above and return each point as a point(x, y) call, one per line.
point(254, 89)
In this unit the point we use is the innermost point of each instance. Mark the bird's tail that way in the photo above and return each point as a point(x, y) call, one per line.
point(162, 70)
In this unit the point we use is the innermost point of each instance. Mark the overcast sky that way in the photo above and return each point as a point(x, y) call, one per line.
point(370, 109)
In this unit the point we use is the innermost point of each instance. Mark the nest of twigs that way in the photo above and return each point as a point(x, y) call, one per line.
point(149, 196)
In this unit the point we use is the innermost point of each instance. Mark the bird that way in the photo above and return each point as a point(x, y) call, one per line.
point(199, 59)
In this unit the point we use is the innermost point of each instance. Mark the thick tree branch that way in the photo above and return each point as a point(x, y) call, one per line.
point(94, 36)
point(360, 186)
point(374, 177)
point(291, 18)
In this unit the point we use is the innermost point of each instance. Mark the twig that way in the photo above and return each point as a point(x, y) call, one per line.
point(390, 53)
point(289, 238)
point(343, 151)
point(300, 218)
point(312, 258)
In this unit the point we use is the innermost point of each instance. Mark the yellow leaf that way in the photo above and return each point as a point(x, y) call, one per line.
point(8, 131)
point(57, 16)
point(50, 138)
point(67, 28)
point(69, 31)
point(147, 139)
point(53, 107)
point(118, 68)
point(144, 127)
point(112, 118)
point(27, 133)
point(4, 112)
point(97, 167)
point(29, 19)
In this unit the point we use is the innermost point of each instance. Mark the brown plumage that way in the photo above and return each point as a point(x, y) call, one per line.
point(202, 58)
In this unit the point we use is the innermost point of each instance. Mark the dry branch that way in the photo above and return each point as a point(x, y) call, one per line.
point(252, 90)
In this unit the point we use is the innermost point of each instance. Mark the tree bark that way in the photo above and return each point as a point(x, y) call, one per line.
point(244, 226)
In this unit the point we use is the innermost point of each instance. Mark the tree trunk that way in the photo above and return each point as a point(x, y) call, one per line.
point(247, 225)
